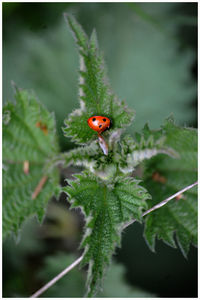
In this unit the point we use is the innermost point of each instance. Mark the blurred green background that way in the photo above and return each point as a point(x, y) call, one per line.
point(151, 54)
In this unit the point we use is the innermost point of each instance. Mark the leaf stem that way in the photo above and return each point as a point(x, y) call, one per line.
point(76, 262)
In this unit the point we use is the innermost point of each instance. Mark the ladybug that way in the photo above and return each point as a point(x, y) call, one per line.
point(99, 123)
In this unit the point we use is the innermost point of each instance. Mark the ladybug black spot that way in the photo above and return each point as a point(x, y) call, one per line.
point(100, 126)
point(104, 120)
point(94, 119)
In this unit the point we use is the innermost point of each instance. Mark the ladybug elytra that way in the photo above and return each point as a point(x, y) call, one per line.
point(99, 123)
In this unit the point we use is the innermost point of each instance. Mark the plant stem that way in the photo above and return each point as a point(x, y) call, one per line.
point(76, 262)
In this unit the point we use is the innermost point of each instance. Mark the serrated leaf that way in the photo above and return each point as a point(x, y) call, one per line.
point(166, 176)
point(107, 208)
point(30, 133)
point(82, 156)
point(144, 146)
point(123, 156)
point(96, 97)
point(29, 140)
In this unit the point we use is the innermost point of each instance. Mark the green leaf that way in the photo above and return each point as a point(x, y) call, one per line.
point(122, 157)
point(28, 139)
point(96, 97)
point(145, 146)
point(136, 65)
point(165, 176)
point(107, 208)
point(82, 156)
point(92, 158)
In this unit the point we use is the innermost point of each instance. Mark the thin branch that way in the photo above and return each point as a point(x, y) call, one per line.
point(76, 262)
point(55, 279)
point(162, 203)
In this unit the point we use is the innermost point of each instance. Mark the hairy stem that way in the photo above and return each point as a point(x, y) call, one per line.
point(76, 262)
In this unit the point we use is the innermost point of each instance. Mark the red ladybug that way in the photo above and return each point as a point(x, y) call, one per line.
point(99, 123)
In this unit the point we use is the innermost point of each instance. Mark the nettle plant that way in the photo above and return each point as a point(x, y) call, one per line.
point(111, 192)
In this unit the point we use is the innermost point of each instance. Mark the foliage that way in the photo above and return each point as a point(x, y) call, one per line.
point(145, 64)
point(107, 192)
point(146, 145)
point(108, 198)
point(107, 208)
point(123, 156)
point(28, 138)
point(96, 99)
point(180, 215)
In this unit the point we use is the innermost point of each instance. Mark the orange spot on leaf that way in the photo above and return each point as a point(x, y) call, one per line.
point(42, 126)
point(158, 178)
